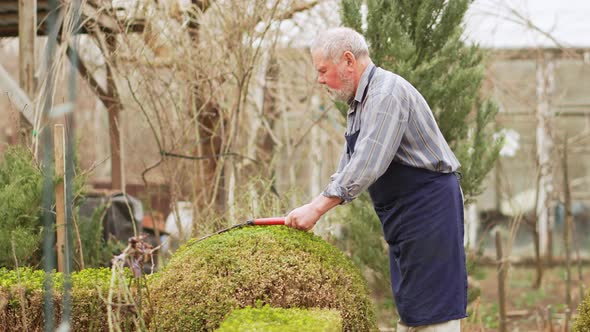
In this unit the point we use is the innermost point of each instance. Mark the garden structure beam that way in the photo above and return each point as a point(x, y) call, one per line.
point(27, 27)
point(26, 19)
point(16, 95)
point(93, 14)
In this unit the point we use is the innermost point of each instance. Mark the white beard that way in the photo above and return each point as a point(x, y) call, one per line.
point(346, 92)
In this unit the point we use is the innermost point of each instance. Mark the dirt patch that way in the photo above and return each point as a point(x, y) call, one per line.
point(527, 308)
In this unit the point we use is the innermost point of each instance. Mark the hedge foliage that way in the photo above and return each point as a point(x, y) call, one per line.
point(582, 323)
point(267, 319)
point(88, 308)
point(275, 265)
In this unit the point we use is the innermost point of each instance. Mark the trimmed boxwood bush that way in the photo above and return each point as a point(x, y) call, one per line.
point(582, 323)
point(88, 309)
point(282, 267)
point(267, 319)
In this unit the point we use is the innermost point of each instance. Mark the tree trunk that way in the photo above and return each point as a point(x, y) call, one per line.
point(117, 169)
point(538, 258)
point(209, 122)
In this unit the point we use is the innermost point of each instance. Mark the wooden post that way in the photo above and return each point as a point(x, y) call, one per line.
point(497, 179)
point(501, 277)
point(60, 216)
point(27, 31)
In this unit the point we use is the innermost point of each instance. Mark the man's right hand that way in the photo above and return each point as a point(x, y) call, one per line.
point(305, 217)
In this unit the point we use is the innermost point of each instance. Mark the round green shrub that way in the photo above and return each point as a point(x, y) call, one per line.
point(282, 267)
point(267, 319)
point(582, 323)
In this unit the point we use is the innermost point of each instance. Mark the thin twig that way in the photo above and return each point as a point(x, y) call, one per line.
point(21, 288)
point(208, 156)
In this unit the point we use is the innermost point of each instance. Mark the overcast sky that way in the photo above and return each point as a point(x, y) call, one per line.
point(493, 23)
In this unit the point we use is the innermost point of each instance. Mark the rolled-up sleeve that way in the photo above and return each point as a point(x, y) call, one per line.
point(333, 190)
point(383, 122)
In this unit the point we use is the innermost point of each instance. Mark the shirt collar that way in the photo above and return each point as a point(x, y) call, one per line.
point(360, 89)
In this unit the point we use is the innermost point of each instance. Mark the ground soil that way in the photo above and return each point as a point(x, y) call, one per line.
point(526, 306)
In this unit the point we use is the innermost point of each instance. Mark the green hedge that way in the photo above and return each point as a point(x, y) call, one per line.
point(274, 265)
point(267, 319)
point(88, 309)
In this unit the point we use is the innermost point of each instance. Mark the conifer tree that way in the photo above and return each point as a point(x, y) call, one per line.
point(421, 41)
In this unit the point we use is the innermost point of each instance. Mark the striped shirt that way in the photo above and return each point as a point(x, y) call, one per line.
point(396, 124)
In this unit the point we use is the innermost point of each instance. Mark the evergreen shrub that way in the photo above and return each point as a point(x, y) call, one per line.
point(20, 208)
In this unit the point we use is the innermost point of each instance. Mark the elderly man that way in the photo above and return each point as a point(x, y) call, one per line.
point(395, 149)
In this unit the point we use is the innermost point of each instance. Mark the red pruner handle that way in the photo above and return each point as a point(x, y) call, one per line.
point(269, 221)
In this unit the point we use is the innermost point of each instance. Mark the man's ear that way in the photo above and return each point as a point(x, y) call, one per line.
point(349, 58)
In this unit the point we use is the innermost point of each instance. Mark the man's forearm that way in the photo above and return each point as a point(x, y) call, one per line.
point(323, 204)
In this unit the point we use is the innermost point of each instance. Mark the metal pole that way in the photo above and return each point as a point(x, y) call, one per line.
point(69, 164)
point(47, 167)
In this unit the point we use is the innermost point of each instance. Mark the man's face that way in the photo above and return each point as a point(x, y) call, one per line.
point(337, 78)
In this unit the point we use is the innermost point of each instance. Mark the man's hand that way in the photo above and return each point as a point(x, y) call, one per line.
point(303, 217)
point(306, 216)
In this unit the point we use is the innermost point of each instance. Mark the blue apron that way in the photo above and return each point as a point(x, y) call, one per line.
point(421, 213)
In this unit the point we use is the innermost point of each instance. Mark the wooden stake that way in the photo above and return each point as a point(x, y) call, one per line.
point(60, 216)
point(568, 317)
point(501, 277)
point(579, 263)
point(566, 228)
point(550, 318)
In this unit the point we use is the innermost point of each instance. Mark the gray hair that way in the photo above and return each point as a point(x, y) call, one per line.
point(334, 42)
